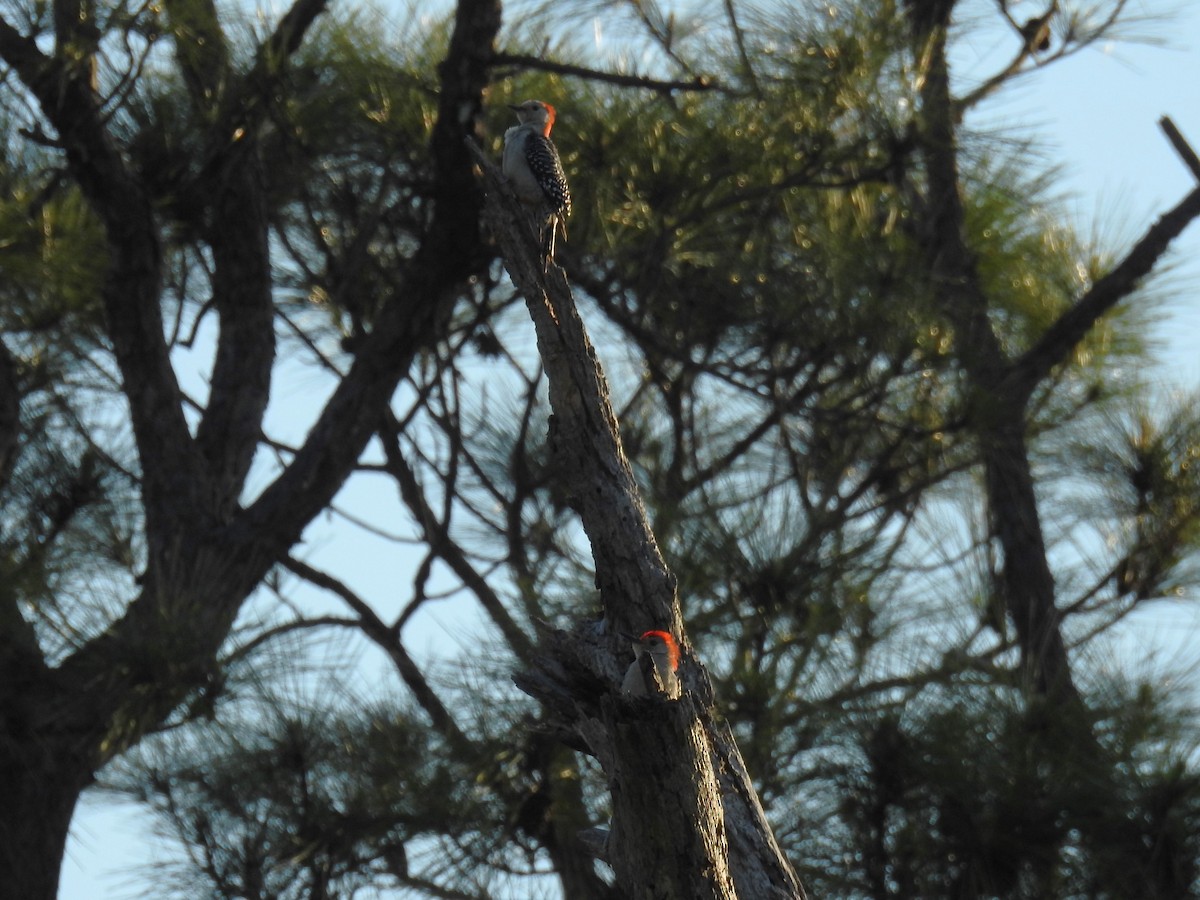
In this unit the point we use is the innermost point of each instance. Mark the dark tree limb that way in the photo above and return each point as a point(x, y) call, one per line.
point(289, 33)
point(10, 413)
point(231, 428)
point(76, 37)
point(252, 94)
point(441, 545)
point(1073, 326)
point(997, 413)
point(200, 50)
point(1182, 147)
point(660, 86)
point(388, 640)
point(172, 477)
point(449, 253)
point(21, 657)
point(739, 37)
point(1034, 39)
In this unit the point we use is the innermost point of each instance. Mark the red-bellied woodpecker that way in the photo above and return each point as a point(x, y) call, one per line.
point(531, 163)
point(657, 655)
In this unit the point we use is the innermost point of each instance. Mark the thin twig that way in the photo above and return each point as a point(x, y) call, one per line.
point(388, 639)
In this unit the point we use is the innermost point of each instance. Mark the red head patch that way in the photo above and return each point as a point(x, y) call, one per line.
point(672, 647)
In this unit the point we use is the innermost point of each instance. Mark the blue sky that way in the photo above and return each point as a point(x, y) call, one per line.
point(1097, 113)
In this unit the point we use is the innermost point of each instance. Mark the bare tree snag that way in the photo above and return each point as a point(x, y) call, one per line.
point(662, 782)
point(687, 822)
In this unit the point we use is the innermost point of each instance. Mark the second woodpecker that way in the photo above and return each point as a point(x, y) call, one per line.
point(532, 165)
point(656, 657)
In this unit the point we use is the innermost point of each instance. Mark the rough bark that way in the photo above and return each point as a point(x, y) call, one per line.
point(661, 778)
point(687, 822)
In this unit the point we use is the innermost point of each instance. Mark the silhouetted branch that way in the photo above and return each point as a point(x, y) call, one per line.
point(388, 640)
point(1182, 147)
point(698, 83)
point(1071, 328)
point(443, 547)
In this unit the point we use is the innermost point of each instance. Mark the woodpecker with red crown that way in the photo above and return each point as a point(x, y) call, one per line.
point(532, 165)
point(656, 658)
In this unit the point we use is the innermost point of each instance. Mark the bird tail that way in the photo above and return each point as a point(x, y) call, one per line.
point(554, 225)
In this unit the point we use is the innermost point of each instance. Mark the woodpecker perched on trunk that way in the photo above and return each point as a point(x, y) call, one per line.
point(657, 658)
point(531, 163)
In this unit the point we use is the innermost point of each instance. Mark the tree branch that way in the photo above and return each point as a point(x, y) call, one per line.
point(290, 31)
point(740, 40)
point(1031, 35)
point(172, 474)
point(75, 39)
point(242, 286)
point(10, 413)
point(21, 658)
point(200, 50)
point(389, 641)
point(1182, 147)
point(448, 254)
point(998, 413)
point(698, 83)
point(443, 547)
point(1061, 338)
point(242, 293)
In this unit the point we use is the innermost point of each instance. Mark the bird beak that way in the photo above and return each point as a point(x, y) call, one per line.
point(513, 108)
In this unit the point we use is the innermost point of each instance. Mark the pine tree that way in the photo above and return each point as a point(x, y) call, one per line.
point(871, 386)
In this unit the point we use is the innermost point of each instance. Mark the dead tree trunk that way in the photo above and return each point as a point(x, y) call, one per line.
point(687, 822)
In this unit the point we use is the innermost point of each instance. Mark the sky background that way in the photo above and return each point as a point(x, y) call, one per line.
point(1096, 115)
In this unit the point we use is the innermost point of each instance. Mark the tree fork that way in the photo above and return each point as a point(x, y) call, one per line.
point(997, 416)
point(58, 726)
